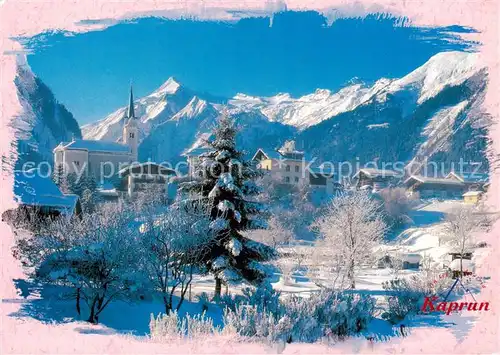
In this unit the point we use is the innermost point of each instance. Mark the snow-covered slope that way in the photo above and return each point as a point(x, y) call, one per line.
point(414, 117)
point(44, 122)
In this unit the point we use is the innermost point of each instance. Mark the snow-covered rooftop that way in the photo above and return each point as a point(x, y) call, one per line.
point(94, 146)
point(472, 193)
point(372, 172)
point(31, 188)
point(196, 151)
point(471, 177)
point(434, 180)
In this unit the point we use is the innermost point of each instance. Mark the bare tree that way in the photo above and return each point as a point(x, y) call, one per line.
point(275, 235)
point(397, 204)
point(350, 228)
point(174, 245)
point(459, 228)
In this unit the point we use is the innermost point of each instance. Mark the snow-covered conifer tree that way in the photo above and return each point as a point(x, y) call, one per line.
point(226, 181)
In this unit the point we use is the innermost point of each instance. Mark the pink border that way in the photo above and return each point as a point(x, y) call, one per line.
point(32, 17)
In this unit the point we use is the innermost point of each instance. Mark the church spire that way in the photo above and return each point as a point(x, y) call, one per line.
point(131, 113)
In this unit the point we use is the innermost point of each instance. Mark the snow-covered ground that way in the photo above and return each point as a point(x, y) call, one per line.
point(124, 324)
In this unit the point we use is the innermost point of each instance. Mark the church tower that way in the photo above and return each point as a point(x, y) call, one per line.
point(131, 130)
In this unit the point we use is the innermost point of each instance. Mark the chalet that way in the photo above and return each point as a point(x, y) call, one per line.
point(473, 181)
point(292, 166)
point(472, 197)
point(39, 198)
point(406, 260)
point(435, 187)
point(376, 179)
point(141, 177)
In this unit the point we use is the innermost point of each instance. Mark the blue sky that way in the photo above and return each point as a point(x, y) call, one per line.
point(90, 72)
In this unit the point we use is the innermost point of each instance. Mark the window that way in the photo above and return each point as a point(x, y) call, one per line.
point(296, 179)
point(287, 179)
point(131, 135)
point(287, 168)
point(77, 163)
point(296, 168)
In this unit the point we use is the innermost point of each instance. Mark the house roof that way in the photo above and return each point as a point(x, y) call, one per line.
point(196, 151)
point(372, 172)
point(470, 177)
point(161, 168)
point(277, 154)
point(408, 257)
point(94, 146)
point(472, 193)
point(432, 180)
point(30, 188)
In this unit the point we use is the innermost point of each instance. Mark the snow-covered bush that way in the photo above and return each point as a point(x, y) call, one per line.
point(231, 301)
point(328, 313)
point(404, 300)
point(303, 319)
point(204, 301)
point(263, 297)
point(168, 326)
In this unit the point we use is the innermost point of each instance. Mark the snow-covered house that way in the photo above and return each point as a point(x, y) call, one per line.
point(376, 178)
point(431, 187)
point(474, 181)
point(140, 177)
point(291, 166)
point(37, 193)
point(100, 158)
point(472, 197)
point(405, 260)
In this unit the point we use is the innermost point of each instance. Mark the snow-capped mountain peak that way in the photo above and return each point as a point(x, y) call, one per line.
point(169, 87)
point(442, 70)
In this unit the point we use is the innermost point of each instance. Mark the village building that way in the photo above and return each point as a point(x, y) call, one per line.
point(474, 181)
point(376, 179)
point(100, 158)
point(430, 187)
point(39, 197)
point(144, 177)
point(291, 166)
point(404, 260)
point(472, 197)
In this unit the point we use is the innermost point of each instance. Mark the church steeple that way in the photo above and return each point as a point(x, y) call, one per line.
point(130, 112)
point(131, 129)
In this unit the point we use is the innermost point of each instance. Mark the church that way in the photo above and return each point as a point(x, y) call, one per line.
point(100, 158)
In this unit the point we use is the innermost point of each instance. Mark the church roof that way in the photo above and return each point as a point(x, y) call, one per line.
point(94, 146)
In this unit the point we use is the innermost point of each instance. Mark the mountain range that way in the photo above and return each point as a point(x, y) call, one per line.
point(433, 112)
